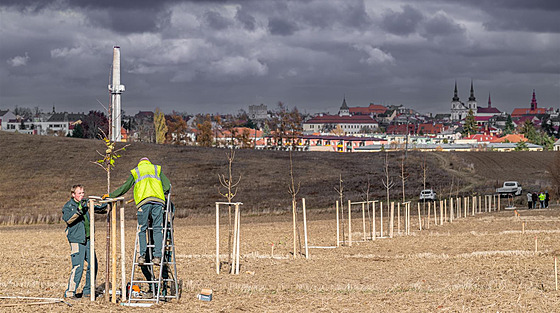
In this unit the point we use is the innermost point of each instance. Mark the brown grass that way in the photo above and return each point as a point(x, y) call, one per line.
point(36, 174)
point(475, 264)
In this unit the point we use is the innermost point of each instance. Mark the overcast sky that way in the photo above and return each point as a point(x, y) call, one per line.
point(221, 56)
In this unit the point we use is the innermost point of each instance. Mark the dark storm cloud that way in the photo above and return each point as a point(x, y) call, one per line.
point(402, 23)
point(442, 25)
point(516, 15)
point(246, 19)
point(350, 14)
point(209, 56)
point(216, 21)
point(281, 27)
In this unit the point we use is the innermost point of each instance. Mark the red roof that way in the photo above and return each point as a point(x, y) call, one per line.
point(428, 128)
point(482, 118)
point(514, 138)
point(335, 119)
point(524, 111)
point(371, 109)
point(488, 110)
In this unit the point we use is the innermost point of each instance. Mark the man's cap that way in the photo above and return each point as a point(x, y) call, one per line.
point(144, 159)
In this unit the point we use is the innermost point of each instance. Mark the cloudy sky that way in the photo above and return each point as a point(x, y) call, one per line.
point(221, 56)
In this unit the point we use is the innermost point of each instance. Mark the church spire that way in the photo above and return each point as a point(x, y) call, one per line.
point(489, 101)
point(534, 101)
point(455, 97)
point(472, 98)
point(344, 105)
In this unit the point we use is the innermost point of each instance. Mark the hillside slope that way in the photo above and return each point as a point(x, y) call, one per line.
point(36, 174)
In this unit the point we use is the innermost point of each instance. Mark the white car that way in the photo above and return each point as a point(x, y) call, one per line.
point(428, 194)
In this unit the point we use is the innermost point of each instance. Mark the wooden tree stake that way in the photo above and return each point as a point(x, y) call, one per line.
point(305, 229)
point(217, 238)
point(373, 224)
point(349, 224)
point(419, 218)
point(364, 219)
point(392, 220)
point(337, 226)
point(91, 264)
point(123, 259)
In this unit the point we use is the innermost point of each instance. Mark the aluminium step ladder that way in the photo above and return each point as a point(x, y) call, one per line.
point(165, 286)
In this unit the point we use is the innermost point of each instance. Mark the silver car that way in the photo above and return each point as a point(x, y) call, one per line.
point(428, 194)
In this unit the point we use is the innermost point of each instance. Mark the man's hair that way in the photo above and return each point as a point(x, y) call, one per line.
point(75, 187)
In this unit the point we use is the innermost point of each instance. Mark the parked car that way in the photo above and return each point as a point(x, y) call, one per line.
point(510, 188)
point(428, 194)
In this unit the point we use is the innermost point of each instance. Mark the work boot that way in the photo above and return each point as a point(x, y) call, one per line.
point(141, 260)
point(156, 260)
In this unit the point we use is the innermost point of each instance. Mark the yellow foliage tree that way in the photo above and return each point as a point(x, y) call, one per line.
point(160, 126)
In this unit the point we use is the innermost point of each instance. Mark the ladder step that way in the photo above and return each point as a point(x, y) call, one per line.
point(145, 281)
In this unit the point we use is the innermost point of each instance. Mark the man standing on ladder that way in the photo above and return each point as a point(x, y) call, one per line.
point(150, 187)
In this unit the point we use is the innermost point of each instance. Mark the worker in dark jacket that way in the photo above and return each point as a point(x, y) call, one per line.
point(150, 187)
point(75, 214)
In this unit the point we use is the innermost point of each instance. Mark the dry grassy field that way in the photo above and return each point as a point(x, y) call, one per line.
point(482, 263)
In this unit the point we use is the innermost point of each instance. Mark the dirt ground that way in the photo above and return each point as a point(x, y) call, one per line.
point(482, 263)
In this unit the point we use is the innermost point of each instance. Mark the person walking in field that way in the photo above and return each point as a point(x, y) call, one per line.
point(542, 197)
point(535, 199)
point(75, 214)
point(546, 199)
point(150, 187)
point(529, 200)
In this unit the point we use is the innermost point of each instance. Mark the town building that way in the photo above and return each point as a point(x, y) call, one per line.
point(347, 123)
point(459, 110)
point(533, 110)
point(258, 112)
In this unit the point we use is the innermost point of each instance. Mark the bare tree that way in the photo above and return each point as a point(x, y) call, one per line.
point(230, 184)
point(365, 197)
point(293, 190)
point(424, 167)
point(404, 176)
point(388, 181)
point(340, 192)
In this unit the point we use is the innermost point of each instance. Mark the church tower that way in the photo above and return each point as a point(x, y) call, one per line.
point(456, 105)
point(344, 109)
point(472, 100)
point(534, 101)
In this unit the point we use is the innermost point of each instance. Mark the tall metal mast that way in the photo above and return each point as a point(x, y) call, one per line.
point(116, 89)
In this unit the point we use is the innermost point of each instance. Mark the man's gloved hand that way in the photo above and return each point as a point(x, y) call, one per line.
point(105, 196)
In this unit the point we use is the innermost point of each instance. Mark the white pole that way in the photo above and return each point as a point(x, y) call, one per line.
point(123, 259)
point(217, 238)
point(381, 219)
point(349, 223)
point(364, 220)
point(92, 249)
point(234, 248)
point(238, 235)
point(337, 226)
point(305, 229)
point(373, 226)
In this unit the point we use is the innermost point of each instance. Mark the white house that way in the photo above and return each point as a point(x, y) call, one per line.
point(5, 116)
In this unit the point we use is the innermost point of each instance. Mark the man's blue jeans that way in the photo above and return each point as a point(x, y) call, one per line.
point(155, 210)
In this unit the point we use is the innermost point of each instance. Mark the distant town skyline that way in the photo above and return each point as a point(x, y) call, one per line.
point(222, 56)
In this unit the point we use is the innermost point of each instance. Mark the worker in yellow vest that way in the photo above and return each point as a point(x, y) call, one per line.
point(150, 187)
point(542, 197)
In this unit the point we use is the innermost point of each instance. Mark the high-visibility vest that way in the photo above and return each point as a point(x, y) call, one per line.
point(542, 197)
point(147, 181)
